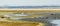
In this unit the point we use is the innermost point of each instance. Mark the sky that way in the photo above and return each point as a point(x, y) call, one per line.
point(29, 2)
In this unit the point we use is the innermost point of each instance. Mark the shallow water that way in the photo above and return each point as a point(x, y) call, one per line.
point(56, 22)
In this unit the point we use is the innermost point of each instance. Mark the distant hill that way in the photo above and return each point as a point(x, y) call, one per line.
point(30, 7)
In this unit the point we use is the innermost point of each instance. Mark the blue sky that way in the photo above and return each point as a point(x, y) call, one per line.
point(29, 2)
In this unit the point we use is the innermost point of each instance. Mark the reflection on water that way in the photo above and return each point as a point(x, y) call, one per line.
point(56, 22)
